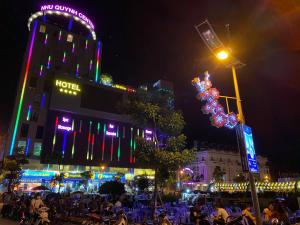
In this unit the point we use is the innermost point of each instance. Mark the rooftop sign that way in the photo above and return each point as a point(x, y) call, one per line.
point(69, 10)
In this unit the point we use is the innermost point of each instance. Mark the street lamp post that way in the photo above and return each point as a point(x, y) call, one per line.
point(214, 44)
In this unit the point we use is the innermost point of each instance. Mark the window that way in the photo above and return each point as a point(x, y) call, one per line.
point(37, 148)
point(70, 38)
point(39, 132)
point(42, 28)
point(22, 146)
point(24, 130)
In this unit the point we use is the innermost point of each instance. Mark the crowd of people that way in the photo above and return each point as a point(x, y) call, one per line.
point(121, 210)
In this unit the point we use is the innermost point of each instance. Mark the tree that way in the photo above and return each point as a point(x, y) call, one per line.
point(113, 188)
point(12, 170)
point(240, 178)
point(154, 109)
point(218, 174)
point(142, 182)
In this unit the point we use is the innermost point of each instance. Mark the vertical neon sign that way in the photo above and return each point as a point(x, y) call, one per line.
point(23, 90)
point(28, 113)
point(98, 61)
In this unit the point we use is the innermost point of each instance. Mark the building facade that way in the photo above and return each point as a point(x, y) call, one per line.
point(228, 161)
point(65, 116)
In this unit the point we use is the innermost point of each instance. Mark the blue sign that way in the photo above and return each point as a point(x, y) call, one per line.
point(250, 150)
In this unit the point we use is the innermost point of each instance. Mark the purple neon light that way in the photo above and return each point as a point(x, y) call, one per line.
point(65, 128)
point(111, 126)
point(65, 119)
point(148, 131)
point(43, 100)
point(109, 133)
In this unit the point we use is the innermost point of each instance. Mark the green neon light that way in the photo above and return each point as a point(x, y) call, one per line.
point(98, 128)
point(117, 132)
point(119, 149)
point(104, 128)
point(23, 90)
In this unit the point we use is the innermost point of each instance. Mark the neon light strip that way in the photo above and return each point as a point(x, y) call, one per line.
point(89, 141)
point(59, 35)
point(98, 128)
point(103, 141)
point(119, 149)
point(43, 100)
point(64, 57)
point(138, 132)
point(54, 137)
point(112, 148)
point(23, 90)
point(64, 144)
point(98, 60)
point(46, 39)
point(93, 141)
point(73, 145)
point(86, 44)
point(91, 64)
point(41, 70)
point(27, 146)
point(49, 62)
point(73, 48)
point(28, 113)
point(134, 148)
point(130, 159)
point(77, 69)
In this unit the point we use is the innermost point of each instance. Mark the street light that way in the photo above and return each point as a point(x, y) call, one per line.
point(222, 55)
point(214, 44)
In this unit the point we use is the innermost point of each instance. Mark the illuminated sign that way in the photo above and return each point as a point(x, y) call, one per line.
point(67, 87)
point(65, 124)
point(249, 148)
point(148, 135)
point(109, 133)
point(69, 10)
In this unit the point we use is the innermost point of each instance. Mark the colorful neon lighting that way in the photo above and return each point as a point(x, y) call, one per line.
point(49, 62)
point(117, 131)
point(65, 128)
point(23, 89)
point(111, 126)
point(93, 141)
point(98, 128)
point(59, 35)
point(46, 39)
point(54, 137)
point(64, 57)
point(138, 132)
point(64, 144)
point(111, 148)
point(98, 61)
point(27, 146)
point(73, 145)
point(28, 113)
point(73, 48)
point(131, 144)
point(89, 141)
point(77, 69)
point(119, 149)
point(73, 125)
point(91, 64)
point(43, 100)
point(41, 70)
point(86, 44)
point(103, 141)
point(110, 133)
point(67, 87)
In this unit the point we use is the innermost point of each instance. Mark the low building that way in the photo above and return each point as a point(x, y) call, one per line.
point(229, 162)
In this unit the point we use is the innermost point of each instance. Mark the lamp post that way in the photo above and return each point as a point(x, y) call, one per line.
point(223, 54)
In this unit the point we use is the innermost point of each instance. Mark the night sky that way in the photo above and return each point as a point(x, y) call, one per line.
point(144, 41)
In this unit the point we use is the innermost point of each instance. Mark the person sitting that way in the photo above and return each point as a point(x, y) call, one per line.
point(267, 212)
point(247, 213)
point(221, 214)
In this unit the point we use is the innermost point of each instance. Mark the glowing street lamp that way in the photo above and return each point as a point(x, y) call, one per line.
point(214, 44)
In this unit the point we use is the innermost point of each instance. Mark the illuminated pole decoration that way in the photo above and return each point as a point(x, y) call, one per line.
point(211, 40)
point(211, 95)
point(98, 61)
point(16, 124)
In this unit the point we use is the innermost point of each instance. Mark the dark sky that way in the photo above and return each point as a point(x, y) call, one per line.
point(148, 40)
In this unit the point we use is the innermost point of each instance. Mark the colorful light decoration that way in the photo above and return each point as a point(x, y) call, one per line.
point(131, 145)
point(54, 136)
point(86, 44)
point(41, 70)
point(46, 39)
point(91, 64)
point(103, 141)
point(77, 70)
point(27, 146)
point(28, 113)
point(98, 61)
point(59, 35)
point(23, 89)
point(64, 57)
point(211, 95)
point(49, 62)
point(43, 100)
point(73, 48)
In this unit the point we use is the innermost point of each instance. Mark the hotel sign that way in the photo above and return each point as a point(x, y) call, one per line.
point(67, 87)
